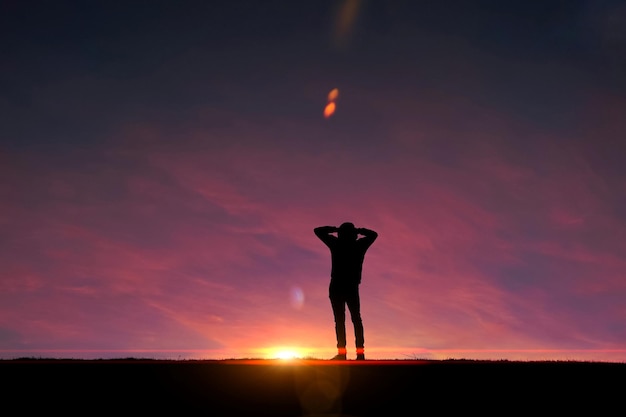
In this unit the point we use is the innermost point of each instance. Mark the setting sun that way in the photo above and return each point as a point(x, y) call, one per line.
point(284, 352)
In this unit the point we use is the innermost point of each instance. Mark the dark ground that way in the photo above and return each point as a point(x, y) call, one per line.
point(297, 388)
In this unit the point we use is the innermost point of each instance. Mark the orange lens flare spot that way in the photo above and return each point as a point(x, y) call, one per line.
point(333, 95)
point(329, 109)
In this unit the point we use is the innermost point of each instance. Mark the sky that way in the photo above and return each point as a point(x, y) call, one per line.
point(163, 166)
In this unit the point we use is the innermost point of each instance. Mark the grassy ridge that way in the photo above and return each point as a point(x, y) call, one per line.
point(278, 388)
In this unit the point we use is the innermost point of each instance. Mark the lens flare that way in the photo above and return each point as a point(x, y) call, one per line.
point(329, 110)
point(345, 21)
point(333, 95)
point(297, 297)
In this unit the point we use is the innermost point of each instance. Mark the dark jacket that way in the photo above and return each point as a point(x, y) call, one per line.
point(346, 256)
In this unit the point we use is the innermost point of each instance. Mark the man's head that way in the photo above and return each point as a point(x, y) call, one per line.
point(347, 231)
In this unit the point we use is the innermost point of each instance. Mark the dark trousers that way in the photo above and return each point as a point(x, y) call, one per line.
point(339, 300)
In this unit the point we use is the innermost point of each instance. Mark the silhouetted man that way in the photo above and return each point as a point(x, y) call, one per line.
point(347, 252)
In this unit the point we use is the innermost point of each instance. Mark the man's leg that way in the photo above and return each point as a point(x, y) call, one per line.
point(339, 312)
point(354, 305)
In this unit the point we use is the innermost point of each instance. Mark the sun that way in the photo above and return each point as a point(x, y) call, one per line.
point(285, 353)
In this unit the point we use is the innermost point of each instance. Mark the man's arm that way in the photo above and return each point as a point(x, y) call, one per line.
point(324, 233)
point(369, 236)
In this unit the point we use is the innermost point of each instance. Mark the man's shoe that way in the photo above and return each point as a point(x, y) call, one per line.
point(360, 357)
point(339, 357)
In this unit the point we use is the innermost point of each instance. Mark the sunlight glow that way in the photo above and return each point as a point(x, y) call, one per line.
point(286, 355)
point(284, 352)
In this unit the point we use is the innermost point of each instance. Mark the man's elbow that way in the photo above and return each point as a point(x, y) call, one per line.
point(370, 233)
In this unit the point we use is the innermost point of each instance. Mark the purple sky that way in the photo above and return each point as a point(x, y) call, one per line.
point(162, 170)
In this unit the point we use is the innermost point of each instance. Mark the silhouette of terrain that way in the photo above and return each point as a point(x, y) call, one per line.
point(311, 387)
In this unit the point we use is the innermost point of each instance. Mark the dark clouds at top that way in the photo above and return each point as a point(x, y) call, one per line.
point(72, 72)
